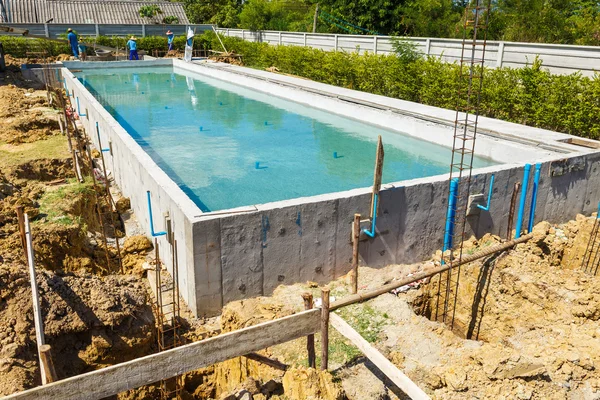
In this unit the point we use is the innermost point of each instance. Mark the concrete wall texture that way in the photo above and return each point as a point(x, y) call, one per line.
point(236, 254)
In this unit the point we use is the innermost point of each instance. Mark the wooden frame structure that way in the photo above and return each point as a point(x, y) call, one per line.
point(150, 369)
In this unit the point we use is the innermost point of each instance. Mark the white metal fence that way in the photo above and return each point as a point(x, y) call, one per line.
point(54, 30)
point(559, 59)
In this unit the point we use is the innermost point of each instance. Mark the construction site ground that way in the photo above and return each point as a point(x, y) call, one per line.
point(526, 322)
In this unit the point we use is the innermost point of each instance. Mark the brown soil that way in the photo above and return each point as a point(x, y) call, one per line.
point(92, 319)
point(90, 322)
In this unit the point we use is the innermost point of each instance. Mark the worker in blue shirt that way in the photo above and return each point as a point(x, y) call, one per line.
point(73, 42)
point(132, 46)
point(170, 37)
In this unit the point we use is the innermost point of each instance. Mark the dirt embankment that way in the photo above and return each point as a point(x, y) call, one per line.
point(90, 322)
point(92, 318)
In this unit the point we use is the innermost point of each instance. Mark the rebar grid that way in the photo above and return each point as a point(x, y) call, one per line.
point(168, 321)
point(591, 257)
point(463, 148)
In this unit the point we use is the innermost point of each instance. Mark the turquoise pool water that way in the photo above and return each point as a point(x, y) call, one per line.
point(227, 146)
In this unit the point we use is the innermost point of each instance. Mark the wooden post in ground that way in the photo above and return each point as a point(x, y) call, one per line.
point(21, 220)
point(355, 241)
point(315, 19)
point(37, 313)
point(377, 176)
point(324, 328)
point(310, 339)
point(48, 364)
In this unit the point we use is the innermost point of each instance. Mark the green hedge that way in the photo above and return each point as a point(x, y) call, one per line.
point(531, 95)
point(19, 46)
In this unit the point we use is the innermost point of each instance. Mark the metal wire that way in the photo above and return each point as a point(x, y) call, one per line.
point(591, 257)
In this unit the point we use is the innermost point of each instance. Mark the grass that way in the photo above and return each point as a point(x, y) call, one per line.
point(55, 202)
point(53, 147)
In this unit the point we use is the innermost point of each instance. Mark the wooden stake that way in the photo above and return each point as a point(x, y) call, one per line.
point(377, 175)
point(46, 357)
point(21, 221)
point(324, 328)
point(37, 313)
point(315, 19)
point(310, 339)
point(355, 241)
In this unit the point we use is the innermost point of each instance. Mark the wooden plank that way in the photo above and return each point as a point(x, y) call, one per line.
point(37, 313)
point(377, 176)
point(380, 361)
point(149, 369)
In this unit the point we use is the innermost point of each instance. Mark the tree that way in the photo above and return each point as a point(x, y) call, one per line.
point(224, 13)
point(150, 11)
point(171, 19)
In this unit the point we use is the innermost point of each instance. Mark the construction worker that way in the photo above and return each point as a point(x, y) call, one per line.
point(170, 37)
point(82, 50)
point(72, 37)
point(132, 46)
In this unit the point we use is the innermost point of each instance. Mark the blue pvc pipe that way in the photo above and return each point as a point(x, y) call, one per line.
point(536, 181)
point(66, 89)
point(450, 214)
point(154, 234)
point(79, 109)
point(371, 232)
point(489, 199)
point(522, 202)
point(99, 140)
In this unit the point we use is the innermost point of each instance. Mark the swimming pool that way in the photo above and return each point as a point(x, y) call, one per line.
point(227, 146)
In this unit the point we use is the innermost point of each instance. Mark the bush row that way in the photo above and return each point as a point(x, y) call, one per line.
point(531, 95)
point(20, 46)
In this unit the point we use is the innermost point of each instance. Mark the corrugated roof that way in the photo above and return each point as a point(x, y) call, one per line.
point(87, 11)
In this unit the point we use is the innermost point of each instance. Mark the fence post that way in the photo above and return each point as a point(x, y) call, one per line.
point(48, 364)
point(46, 31)
point(427, 46)
point(355, 242)
point(97, 30)
point(304, 39)
point(310, 339)
point(279, 32)
point(143, 30)
point(374, 44)
point(335, 45)
point(500, 55)
point(21, 221)
point(243, 36)
point(324, 328)
point(228, 32)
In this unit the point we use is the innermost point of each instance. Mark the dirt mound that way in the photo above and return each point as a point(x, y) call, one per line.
point(44, 170)
point(26, 115)
point(90, 322)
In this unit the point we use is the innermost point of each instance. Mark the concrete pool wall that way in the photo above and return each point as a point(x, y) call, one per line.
point(249, 251)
